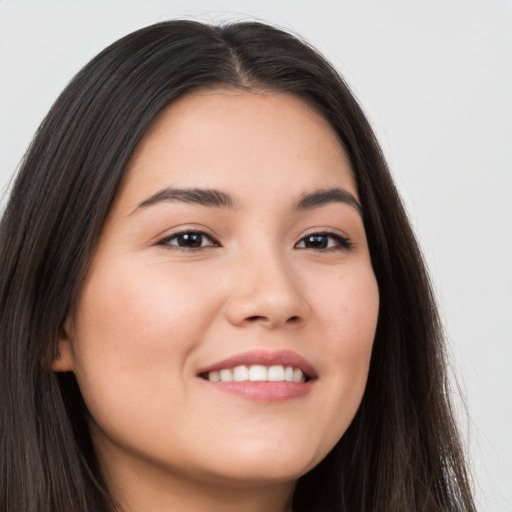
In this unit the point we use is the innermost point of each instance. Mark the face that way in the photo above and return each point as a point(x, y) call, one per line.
point(224, 329)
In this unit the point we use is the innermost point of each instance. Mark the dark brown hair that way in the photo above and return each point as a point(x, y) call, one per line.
point(402, 450)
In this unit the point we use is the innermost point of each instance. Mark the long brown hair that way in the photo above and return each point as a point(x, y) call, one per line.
point(402, 450)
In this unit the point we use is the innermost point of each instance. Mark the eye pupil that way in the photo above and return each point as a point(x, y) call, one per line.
point(316, 242)
point(190, 240)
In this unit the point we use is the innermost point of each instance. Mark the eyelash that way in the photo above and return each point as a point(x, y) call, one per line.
point(341, 242)
point(166, 241)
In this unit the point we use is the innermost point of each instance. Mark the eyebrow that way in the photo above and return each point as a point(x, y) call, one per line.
point(218, 199)
point(323, 197)
point(200, 196)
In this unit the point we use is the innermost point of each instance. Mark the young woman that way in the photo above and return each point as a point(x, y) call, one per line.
point(211, 297)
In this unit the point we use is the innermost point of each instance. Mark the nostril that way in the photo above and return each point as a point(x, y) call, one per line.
point(292, 320)
point(256, 317)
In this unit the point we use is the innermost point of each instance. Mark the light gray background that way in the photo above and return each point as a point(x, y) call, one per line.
point(436, 80)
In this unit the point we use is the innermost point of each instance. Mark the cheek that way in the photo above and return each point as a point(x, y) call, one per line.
point(357, 325)
point(148, 309)
point(349, 307)
point(349, 310)
point(133, 333)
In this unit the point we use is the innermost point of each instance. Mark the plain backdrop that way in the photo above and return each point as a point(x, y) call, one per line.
point(436, 81)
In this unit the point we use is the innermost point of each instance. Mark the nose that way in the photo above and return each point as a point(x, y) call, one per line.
point(266, 291)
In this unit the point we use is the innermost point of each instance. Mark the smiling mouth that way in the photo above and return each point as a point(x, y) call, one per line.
point(262, 375)
point(257, 373)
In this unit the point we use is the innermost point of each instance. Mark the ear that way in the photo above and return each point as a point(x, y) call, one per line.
point(63, 360)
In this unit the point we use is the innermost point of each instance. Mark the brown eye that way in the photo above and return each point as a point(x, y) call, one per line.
point(323, 241)
point(189, 240)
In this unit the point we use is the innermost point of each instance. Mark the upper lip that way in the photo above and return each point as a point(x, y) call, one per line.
point(265, 358)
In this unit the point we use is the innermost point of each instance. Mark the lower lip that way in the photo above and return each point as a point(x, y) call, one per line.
point(264, 391)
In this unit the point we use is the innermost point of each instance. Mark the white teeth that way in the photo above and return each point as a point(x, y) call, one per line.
point(258, 373)
point(298, 376)
point(240, 373)
point(276, 373)
point(226, 375)
point(214, 376)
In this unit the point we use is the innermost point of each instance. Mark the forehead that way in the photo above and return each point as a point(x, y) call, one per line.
point(222, 138)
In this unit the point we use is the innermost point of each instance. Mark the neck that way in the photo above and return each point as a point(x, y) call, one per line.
point(140, 491)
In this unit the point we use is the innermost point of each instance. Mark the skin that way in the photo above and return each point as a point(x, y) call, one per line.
point(150, 315)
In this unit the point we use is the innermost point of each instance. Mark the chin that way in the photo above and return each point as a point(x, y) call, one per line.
point(276, 464)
